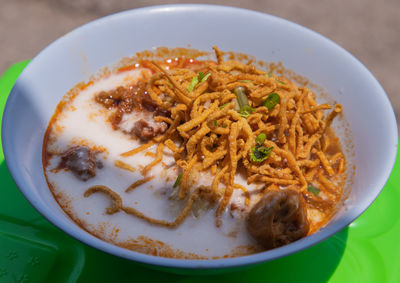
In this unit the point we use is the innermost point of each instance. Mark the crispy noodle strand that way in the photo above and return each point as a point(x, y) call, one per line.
point(123, 165)
point(138, 183)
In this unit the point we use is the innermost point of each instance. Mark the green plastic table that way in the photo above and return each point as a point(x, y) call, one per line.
point(33, 250)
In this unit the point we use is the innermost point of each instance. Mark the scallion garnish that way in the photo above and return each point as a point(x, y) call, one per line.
point(215, 123)
point(193, 83)
point(269, 75)
point(244, 108)
point(272, 100)
point(245, 111)
point(203, 77)
point(281, 82)
point(241, 96)
point(260, 153)
point(261, 138)
point(178, 180)
point(313, 190)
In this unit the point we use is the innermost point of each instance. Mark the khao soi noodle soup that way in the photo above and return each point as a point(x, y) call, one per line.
point(187, 158)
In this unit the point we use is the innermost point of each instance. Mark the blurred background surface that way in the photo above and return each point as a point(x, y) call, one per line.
point(369, 29)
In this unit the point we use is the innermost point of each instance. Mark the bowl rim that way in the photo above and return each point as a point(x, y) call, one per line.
point(88, 239)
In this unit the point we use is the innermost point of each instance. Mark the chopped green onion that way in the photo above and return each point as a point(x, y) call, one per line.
point(313, 190)
point(272, 100)
point(217, 125)
point(193, 83)
point(260, 153)
point(196, 79)
point(203, 77)
point(237, 107)
point(245, 108)
point(261, 138)
point(244, 114)
point(241, 96)
point(281, 82)
point(178, 180)
point(222, 106)
point(269, 75)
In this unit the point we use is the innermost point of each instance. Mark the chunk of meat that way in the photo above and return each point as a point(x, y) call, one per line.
point(146, 102)
point(81, 161)
point(161, 128)
point(127, 99)
point(111, 98)
point(145, 132)
point(142, 130)
point(278, 218)
point(162, 112)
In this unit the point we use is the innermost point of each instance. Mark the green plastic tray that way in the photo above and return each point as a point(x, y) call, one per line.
point(33, 250)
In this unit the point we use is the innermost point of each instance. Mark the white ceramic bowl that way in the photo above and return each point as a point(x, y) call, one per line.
point(77, 55)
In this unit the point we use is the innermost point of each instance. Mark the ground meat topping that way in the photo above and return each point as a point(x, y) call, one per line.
point(278, 218)
point(127, 99)
point(146, 102)
point(142, 130)
point(162, 112)
point(111, 98)
point(81, 161)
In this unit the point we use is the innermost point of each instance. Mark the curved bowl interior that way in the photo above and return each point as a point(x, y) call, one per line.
point(77, 55)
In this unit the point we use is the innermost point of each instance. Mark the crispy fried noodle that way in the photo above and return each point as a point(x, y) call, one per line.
point(227, 118)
